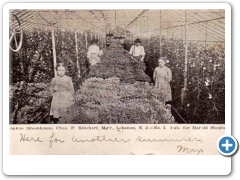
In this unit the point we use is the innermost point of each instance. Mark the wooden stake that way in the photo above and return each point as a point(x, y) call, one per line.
point(78, 66)
point(140, 19)
point(148, 26)
point(160, 38)
point(186, 62)
point(181, 34)
point(206, 35)
point(167, 30)
point(115, 19)
point(86, 40)
point(54, 48)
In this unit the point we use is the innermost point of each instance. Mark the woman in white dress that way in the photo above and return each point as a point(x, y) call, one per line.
point(162, 77)
point(94, 53)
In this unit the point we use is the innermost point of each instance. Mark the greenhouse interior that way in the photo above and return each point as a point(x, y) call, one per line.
point(118, 89)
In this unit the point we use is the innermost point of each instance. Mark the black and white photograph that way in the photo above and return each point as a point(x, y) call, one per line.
point(108, 83)
point(117, 66)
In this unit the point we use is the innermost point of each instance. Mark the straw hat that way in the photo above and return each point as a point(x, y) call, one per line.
point(95, 41)
point(137, 41)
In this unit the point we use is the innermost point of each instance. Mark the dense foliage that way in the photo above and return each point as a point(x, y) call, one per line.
point(205, 96)
point(116, 62)
point(116, 88)
point(29, 103)
point(31, 70)
point(110, 101)
point(34, 62)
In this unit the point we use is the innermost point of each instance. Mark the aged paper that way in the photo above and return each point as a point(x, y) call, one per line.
point(114, 98)
point(142, 139)
point(116, 81)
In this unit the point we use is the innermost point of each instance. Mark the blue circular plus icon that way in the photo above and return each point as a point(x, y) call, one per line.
point(227, 145)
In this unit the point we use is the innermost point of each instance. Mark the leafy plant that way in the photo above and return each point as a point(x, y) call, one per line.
point(205, 100)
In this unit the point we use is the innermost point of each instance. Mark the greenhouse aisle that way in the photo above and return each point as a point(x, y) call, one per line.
point(118, 89)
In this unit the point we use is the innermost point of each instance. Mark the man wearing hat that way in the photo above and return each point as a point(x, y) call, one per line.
point(94, 53)
point(137, 52)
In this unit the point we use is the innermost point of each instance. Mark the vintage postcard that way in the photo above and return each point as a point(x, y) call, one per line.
point(101, 79)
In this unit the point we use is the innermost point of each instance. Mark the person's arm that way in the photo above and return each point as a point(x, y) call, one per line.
point(71, 87)
point(154, 75)
point(51, 88)
point(143, 53)
point(131, 52)
point(89, 53)
point(169, 75)
point(98, 51)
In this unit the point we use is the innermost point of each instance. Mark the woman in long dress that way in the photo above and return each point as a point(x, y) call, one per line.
point(62, 91)
point(162, 77)
point(94, 53)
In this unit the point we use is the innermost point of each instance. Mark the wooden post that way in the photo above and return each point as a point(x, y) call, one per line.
point(160, 38)
point(186, 62)
point(115, 19)
point(136, 27)
point(86, 40)
point(78, 66)
point(148, 26)
point(140, 19)
point(206, 35)
point(198, 64)
point(167, 30)
point(181, 34)
point(53, 47)
point(99, 40)
point(103, 39)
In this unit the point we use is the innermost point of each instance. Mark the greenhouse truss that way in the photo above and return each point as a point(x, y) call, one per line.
point(202, 25)
point(191, 40)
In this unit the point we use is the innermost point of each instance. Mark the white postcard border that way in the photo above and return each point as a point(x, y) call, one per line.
point(114, 165)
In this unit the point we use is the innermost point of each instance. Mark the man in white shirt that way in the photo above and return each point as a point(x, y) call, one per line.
point(94, 53)
point(137, 52)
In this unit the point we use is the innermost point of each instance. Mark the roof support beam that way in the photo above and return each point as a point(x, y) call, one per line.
point(38, 13)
